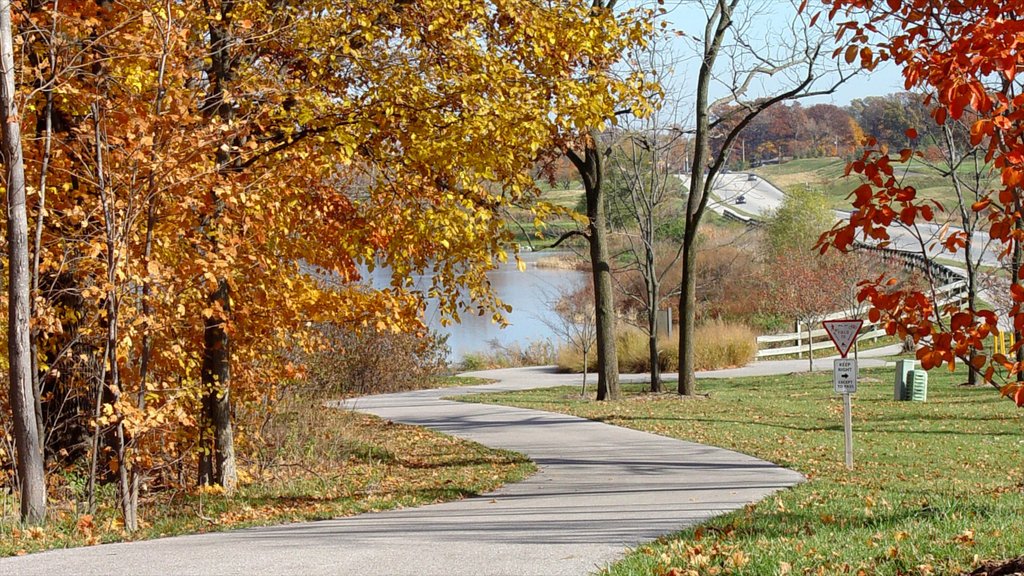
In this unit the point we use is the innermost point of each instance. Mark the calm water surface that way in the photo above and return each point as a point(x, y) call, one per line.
point(528, 292)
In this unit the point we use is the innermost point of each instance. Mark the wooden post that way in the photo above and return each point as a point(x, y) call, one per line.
point(799, 341)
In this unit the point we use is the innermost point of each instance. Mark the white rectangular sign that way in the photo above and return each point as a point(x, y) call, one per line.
point(844, 375)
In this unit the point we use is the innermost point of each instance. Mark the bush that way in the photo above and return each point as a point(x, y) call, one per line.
point(370, 362)
point(632, 344)
point(718, 345)
point(771, 323)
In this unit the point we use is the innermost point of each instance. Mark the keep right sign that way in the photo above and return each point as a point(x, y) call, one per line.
point(844, 375)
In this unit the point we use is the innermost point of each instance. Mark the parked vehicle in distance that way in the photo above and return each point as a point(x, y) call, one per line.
point(751, 177)
point(741, 199)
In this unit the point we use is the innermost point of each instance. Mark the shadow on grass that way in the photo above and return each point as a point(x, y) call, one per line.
point(808, 522)
point(461, 462)
point(620, 418)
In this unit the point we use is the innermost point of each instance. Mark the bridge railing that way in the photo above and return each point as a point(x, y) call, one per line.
point(953, 291)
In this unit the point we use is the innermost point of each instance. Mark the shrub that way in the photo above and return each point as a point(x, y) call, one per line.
point(371, 362)
point(727, 258)
point(771, 323)
point(631, 345)
point(473, 361)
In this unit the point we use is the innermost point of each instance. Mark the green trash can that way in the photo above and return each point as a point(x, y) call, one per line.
point(917, 386)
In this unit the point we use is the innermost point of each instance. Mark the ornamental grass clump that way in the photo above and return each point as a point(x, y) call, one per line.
point(719, 344)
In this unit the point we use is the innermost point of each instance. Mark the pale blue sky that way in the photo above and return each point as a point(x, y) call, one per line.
point(884, 80)
point(767, 28)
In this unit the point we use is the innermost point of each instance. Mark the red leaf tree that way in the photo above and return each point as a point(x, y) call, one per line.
point(965, 57)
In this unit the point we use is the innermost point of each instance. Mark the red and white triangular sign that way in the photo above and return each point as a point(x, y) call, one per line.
point(843, 333)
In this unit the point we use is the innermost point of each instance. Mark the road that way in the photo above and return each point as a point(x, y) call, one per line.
point(600, 489)
point(760, 197)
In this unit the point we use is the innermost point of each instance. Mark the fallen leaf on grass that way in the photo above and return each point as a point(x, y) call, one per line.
point(965, 538)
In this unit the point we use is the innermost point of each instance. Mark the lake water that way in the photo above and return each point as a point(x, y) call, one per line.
point(528, 292)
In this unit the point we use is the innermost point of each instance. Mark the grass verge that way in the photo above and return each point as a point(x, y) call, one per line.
point(827, 174)
point(936, 486)
point(332, 463)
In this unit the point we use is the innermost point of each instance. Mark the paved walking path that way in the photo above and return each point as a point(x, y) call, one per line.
point(599, 490)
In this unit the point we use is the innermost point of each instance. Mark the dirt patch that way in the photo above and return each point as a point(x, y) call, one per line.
point(1013, 567)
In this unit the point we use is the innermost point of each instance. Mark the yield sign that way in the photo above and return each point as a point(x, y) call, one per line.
point(843, 333)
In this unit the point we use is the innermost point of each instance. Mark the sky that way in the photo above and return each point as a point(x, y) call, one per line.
point(766, 26)
point(886, 79)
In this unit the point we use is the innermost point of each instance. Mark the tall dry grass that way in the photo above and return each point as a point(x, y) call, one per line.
point(718, 344)
point(514, 355)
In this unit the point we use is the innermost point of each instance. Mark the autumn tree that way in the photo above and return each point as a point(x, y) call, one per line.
point(964, 56)
point(803, 288)
point(583, 145)
point(213, 175)
point(725, 52)
point(833, 132)
point(888, 117)
point(28, 440)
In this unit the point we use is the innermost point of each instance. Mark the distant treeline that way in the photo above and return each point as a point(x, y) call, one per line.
point(787, 131)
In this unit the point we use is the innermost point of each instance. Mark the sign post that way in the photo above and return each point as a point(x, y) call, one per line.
point(844, 374)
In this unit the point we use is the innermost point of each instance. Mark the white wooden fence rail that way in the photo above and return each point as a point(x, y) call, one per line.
point(796, 342)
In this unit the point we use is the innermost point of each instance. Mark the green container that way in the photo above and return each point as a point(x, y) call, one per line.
point(917, 386)
point(903, 367)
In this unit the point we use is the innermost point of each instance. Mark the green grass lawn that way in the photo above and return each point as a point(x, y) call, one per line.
point(826, 174)
point(936, 486)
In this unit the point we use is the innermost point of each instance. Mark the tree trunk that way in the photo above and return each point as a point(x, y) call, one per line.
point(37, 253)
point(583, 392)
point(591, 172)
point(687, 324)
point(217, 462)
point(718, 23)
point(28, 443)
point(607, 355)
point(651, 284)
point(972, 374)
point(1018, 260)
point(216, 379)
point(652, 348)
point(147, 342)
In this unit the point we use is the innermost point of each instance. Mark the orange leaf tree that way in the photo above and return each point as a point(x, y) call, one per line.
point(230, 168)
point(965, 56)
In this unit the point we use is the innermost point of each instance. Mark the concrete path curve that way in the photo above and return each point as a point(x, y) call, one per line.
point(600, 489)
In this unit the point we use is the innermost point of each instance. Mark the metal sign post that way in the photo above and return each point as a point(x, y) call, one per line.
point(844, 374)
point(844, 381)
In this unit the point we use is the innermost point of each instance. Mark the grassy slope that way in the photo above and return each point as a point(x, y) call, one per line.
point(827, 175)
point(936, 485)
